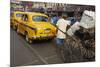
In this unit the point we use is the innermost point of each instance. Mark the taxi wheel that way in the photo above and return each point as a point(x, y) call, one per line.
point(15, 27)
point(18, 31)
point(50, 39)
point(10, 25)
point(28, 39)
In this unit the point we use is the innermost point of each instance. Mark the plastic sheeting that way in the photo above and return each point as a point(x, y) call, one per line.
point(73, 28)
point(88, 19)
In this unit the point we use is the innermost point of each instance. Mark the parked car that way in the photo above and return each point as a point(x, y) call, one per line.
point(15, 18)
point(36, 26)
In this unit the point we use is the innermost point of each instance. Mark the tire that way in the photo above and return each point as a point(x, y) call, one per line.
point(28, 39)
point(50, 39)
point(15, 28)
point(11, 25)
point(88, 54)
point(18, 31)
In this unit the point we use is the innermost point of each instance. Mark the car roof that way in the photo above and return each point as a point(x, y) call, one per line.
point(18, 12)
point(35, 13)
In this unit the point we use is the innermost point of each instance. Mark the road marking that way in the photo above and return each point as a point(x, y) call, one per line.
point(36, 53)
point(38, 60)
point(30, 63)
point(50, 57)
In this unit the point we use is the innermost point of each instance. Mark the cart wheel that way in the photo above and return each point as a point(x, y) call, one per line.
point(88, 54)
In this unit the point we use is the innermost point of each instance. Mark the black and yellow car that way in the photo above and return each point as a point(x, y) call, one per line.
point(36, 26)
point(15, 18)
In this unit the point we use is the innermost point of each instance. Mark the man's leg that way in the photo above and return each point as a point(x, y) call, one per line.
point(59, 43)
point(60, 48)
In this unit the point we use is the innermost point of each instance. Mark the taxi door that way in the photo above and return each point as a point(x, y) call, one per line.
point(23, 24)
point(12, 19)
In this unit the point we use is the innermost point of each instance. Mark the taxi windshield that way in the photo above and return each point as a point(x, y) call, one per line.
point(40, 18)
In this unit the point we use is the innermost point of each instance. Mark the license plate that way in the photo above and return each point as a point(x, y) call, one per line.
point(47, 31)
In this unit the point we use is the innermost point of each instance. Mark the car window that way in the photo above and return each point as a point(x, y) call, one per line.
point(19, 15)
point(24, 17)
point(12, 14)
point(40, 18)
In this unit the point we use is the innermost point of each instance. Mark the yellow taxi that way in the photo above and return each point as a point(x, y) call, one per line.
point(15, 18)
point(36, 26)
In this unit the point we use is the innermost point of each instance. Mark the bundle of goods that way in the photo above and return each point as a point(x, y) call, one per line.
point(80, 40)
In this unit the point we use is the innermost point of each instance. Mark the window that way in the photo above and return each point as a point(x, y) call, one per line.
point(19, 15)
point(12, 14)
point(24, 17)
point(40, 18)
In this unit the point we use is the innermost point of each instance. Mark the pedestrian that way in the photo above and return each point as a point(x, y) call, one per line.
point(62, 25)
point(49, 19)
point(72, 19)
point(54, 19)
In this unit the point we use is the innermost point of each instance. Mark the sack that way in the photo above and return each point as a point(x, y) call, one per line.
point(73, 28)
point(88, 19)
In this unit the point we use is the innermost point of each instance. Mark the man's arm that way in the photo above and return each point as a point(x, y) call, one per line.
point(57, 24)
point(68, 25)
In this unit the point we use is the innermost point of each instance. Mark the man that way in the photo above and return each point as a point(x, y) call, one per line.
point(62, 25)
point(54, 19)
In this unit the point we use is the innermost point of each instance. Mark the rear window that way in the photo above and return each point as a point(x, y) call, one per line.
point(40, 18)
point(12, 14)
point(19, 15)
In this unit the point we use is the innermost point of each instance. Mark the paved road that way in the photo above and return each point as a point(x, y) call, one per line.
point(40, 52)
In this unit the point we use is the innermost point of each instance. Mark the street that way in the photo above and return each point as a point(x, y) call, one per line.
point(40, 52)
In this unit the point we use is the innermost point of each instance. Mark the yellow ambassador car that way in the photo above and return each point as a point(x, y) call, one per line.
point(15, 18)
point(36, 26)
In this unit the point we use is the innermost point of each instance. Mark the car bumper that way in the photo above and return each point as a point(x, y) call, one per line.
point(43, 37)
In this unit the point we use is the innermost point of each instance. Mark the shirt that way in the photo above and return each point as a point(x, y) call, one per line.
point(54, 20)
point(62, 25)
